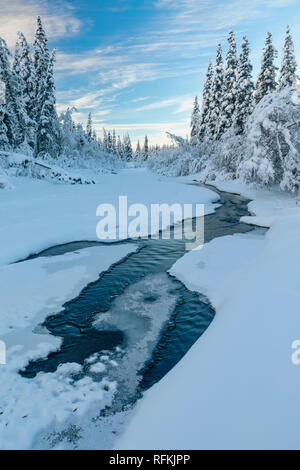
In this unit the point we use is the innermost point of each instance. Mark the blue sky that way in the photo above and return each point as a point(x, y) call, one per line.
point(137, 64)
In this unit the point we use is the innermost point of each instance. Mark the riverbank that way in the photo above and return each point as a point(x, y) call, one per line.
point(237, 388)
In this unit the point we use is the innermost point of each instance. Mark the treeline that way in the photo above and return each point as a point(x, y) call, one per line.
point(74, 136)
point(230, 94)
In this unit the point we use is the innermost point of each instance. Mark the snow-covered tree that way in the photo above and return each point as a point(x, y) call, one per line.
point(266, 82)
point(4, 142)
point(206, 103)
point(41, 63)
point(21, 96)
point(27, 74)
point(114, 142)
point(120, 152)
point(138, 151)
point(288, 68)
point(15, 118)
point(145, 152)
point(243, 89)
point(105, 142)
point(195, 122)
point(89, 128)
point(48, 131)
point(216, 95)
point(291, 172)
point(109, 142)
point(228, 97)
point(128, 154)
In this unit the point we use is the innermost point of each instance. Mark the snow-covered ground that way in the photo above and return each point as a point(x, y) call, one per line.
point(237, 387)
point(36, 215)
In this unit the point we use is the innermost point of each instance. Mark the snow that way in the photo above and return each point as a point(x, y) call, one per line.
point(31, 290)
point(36, 215)
point(237, 388)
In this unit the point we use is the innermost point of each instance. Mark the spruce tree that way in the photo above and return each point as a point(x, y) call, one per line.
point(89, 128)
point(119, 148)
point(4, 142)
point(145, 153)
point(288, 65)
point(266, 82)
point(48, 132)
point(114, 142)
point(206, 103)
point(41, 61)
point(216, 96)
point(127, 148)
point(195, 122)
point(228, 98)
point(28, 127)
point(243, 89)
point(27, 74)
point(138, 151)
point(15, 118)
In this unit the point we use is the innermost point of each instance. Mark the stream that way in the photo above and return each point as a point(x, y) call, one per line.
point(136, 319)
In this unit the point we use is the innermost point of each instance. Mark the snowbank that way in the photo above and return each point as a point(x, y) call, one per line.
point(237, 387)
point(30, 291)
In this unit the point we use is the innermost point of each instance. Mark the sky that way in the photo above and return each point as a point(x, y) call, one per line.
point(137, 65)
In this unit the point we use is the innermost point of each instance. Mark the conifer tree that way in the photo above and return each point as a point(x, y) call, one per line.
point(15, 120)
point(114, 142)
point(48, 131)
point(127, 148)
point(195, 122)
point(41, 62)
point(27, 74)
point(138, 151)
point(243, 89)
point(266, 82)
point(109, 142)
point(119, 148)
point(206, 103)
point(288, 65)
point(89, 128)
point(105, 143)
point(28, 127)
point(216, 95)
point(4, 142)
point(228, 98)
point(145, 153)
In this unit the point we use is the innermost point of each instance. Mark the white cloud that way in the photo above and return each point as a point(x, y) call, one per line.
point(183, 103)
point(20, 15)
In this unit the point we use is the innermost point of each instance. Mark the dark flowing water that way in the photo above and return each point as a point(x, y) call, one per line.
point(135, 314)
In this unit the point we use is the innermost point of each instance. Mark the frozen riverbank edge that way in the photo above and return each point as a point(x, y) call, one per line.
point(237, 387)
